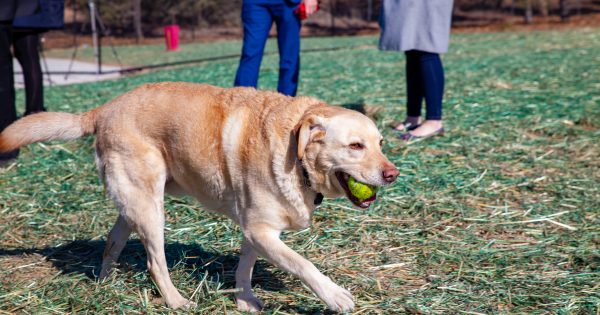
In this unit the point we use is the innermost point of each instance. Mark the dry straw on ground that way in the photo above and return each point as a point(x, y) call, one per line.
point(500, 216)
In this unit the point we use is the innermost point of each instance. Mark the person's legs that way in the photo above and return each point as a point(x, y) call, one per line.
point(432, 73)
point(257, 22)
point(414, 84)
point(414, 91)
point(288, 41)
point(26, 44)
point(8, 113)
point(433, 83)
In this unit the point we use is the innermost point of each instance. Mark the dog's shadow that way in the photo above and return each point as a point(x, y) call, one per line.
point(85, 257)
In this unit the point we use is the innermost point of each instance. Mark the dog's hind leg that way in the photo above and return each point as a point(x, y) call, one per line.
point(151, 232)
point(117, 238)
point(245, 300)
point(136, 180)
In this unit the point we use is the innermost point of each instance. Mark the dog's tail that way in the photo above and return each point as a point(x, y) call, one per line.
point(46, 126)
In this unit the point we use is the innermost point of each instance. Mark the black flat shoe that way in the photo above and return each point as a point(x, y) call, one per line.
point(8, 157)
point(410, 137)
point(408, 126)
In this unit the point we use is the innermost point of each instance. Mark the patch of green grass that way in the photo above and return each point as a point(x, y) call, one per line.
point(139, 55)
point(500, 216)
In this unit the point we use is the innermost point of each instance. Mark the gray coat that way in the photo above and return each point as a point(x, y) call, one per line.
point(415, 24)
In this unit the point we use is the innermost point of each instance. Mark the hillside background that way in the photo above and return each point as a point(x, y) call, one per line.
point(209, 19)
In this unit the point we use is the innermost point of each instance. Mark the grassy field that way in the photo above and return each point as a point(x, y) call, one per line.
point(131, 56)
point(500, 216)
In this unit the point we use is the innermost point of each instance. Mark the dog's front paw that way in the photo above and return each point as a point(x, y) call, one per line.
point(337, 298)
point(248, 303)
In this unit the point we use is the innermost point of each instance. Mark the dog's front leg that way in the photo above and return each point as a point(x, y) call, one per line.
point(245, 300)
point(265, 240)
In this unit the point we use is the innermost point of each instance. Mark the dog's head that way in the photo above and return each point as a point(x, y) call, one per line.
point(335, 143)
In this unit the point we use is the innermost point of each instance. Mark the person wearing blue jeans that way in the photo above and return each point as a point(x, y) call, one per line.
point(258, 17)
point(420, 29)
point(424, 80)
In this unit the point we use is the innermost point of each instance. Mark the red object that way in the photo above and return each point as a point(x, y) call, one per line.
point(172, 37)
point(301, 11)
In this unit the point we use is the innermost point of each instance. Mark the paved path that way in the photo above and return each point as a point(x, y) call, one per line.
point(62, 65)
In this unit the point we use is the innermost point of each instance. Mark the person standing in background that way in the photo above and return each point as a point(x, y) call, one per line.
point(21, 23)
point(26, 46)
point(421, 29)
point(9, 10)
point(258, 17)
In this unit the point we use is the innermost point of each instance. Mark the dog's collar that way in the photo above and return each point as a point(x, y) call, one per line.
point(306, 181)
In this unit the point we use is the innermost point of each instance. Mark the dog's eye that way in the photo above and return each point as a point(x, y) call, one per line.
point(356, 146)
point(381, 143)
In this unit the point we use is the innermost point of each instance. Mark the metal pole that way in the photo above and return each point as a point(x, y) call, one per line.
point(95, 36)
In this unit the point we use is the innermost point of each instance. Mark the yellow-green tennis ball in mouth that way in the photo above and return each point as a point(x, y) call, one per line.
point(359, 190)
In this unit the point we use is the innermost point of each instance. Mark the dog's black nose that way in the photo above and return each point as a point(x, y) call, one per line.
point(390, 173)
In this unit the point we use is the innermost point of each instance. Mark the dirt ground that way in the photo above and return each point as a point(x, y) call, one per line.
point(481, 22)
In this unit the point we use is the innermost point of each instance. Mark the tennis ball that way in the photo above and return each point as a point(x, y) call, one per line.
point(359, 190)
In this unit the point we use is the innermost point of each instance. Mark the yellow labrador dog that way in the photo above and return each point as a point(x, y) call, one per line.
point(263, 159)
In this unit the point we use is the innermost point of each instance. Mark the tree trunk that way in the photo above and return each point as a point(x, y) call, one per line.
point(543, 6)
point(137, 20)
point(564, 10)
point(332, 12)
point(196, 25)
point(528, 12)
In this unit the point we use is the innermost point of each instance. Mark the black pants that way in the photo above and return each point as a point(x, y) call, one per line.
point(8, 112)
point(424, 79)
point(26, 49)
point(25, 44)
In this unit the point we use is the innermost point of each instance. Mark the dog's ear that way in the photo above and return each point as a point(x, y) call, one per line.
point(311, 129)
